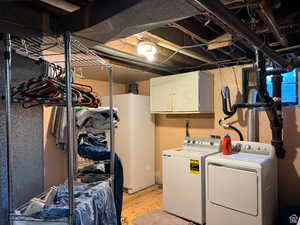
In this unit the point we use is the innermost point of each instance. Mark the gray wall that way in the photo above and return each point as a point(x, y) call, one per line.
point(27, 138)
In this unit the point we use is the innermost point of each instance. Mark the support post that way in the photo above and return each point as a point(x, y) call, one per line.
point(70, 125)
point(112, 130)
point(8, 117)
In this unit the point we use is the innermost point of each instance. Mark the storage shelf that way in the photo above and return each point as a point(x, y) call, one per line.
point(54, 50)
point(32, 221)
point(51, 49)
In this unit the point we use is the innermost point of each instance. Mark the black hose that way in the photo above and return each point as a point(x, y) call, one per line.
point(236, 130)
point(187, 125)
point(227, 126)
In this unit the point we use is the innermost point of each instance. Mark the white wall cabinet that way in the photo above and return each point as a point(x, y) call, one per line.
point(183, 93)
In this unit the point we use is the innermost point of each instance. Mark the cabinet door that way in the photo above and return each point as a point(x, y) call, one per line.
point(161, 95)
point(186, 93)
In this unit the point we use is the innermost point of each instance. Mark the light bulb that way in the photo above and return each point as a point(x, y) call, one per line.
point(150, 57)
point(147, 49)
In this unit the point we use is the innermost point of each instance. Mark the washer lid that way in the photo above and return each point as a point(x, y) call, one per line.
point(240, 159)
point(233, 188)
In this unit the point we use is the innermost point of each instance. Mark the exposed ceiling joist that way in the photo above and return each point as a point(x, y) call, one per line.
point(129, 45)
point(118, 55)
point(188, 32)
point(266, 15)
point(197, 37)
point(204, 56)
point(216, 8)
point(219, 42)
point(61, 4)
point(240, 4)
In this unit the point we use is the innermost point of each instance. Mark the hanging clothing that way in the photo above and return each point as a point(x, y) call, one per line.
point(93, 173)
point(87, 120)
point(59, 126)
point(94, 147)
point(94, 205)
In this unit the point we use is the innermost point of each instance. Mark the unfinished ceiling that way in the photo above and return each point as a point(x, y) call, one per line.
point(189, 34)
point(121, 74)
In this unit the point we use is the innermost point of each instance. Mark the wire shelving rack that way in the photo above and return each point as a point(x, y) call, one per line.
point(70, 54)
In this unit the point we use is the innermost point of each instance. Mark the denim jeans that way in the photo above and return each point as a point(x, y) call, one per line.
point(92, 174)
point(94, 205)
point(95, 153)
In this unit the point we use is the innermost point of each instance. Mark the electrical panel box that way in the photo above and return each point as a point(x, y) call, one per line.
point(190, 92)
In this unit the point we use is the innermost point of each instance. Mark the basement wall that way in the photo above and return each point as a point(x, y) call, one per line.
point(169, 132)
point(27, 141)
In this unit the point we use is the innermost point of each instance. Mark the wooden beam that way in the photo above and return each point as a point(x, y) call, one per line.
point(129, 45)
point(61, 4)
point(197, 37)
point(267, 16)
point(220, 39)
point(188, 32)
point(204, 56)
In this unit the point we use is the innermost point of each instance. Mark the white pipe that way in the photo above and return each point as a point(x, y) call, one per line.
point(252, 117)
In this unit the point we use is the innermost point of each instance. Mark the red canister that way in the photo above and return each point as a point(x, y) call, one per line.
point(226, 145)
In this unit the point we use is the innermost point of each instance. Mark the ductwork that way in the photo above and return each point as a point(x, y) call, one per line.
point(109, 20)
point(115, 54)
point(29, 22)
point(216, 8)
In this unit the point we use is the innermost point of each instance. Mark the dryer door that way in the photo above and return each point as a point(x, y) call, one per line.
point(233, 188)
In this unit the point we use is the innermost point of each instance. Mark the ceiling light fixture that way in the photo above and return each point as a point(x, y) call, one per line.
point(147, 49)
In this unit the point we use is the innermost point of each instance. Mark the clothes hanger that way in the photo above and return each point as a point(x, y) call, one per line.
point(50, 89)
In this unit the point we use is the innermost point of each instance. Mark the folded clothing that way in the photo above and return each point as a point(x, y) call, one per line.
point(93, 139)
point(95, 153)
point(94, 169)
point(92, 203)
point(95, 119)
point(93, 147)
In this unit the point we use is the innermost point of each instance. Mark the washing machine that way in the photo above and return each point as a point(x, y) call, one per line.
point(241, 188)
point(184, 178)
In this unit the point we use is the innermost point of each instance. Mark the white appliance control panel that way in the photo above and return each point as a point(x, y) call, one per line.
point(252, 147)
point(213, 145)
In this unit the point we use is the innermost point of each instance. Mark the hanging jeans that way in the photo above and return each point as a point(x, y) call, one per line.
point(92, 174)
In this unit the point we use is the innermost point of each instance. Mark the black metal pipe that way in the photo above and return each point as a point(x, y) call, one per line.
point(274, 111)
point(245, 75)
point(216, 8)
point(226, 100)
point(277, 130)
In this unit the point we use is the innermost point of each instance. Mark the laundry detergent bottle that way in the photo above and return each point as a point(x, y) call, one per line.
point(226, 145)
